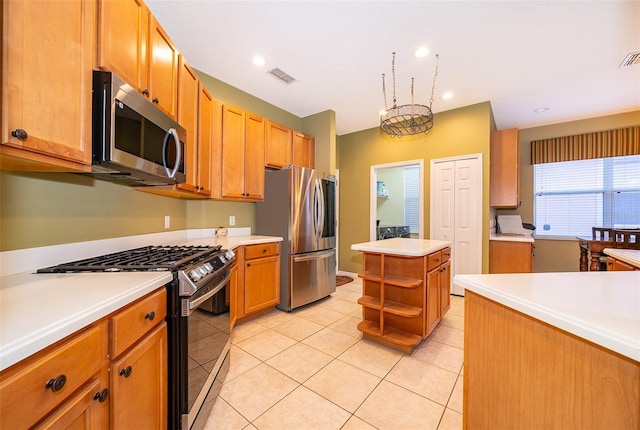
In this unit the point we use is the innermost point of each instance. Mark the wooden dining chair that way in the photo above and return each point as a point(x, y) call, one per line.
point(627, 239)
point(603, 234)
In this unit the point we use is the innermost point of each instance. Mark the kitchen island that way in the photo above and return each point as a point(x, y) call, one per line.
point(405, 289)
point(552, 350)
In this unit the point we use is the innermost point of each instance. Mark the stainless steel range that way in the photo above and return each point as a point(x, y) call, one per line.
point(197, 318)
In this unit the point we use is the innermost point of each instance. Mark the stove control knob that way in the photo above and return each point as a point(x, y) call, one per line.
point(202, 270)
point(195, 275)
point(209, 267)
point(229, 254)
point(222, 260)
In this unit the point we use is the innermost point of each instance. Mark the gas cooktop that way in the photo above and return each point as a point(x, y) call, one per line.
point(147, 258)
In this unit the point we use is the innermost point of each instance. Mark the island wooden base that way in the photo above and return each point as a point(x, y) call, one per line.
point(520, 373)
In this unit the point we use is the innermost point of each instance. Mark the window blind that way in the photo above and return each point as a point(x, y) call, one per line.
point(571, 197)
point(412, 198)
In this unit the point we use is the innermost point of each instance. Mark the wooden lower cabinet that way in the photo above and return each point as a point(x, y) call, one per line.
point(76, 382)
point(402, 299)
point(139, 384)
point(256, 284)
point(510, 256)
point(522, 373)
point(618, 265)
point(81, 411)
point(261, 277)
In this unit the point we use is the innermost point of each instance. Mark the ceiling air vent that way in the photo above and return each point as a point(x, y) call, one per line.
point(284, 77)
point(631, 59)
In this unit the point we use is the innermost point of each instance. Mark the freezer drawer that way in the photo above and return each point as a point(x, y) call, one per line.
point(313, 276)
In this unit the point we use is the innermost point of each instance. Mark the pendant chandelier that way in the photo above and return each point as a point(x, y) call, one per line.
point(406, 120)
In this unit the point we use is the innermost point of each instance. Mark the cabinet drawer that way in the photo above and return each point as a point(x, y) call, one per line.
point(24, 394)
point(446, 254)
point(130, 324)
point(434, 260)
point(260, 250)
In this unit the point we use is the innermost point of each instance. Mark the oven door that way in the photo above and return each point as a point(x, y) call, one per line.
point(204, 346)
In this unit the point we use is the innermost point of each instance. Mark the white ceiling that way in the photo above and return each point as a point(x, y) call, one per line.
point(519, 55)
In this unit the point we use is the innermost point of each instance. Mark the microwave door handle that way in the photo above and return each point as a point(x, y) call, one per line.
point(171, 133)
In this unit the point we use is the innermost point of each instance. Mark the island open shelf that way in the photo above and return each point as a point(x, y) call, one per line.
point(403, 296)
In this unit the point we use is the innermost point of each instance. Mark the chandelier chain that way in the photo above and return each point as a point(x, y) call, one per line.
point(384, 93)
point(412, 90)
point(393, 75)
point(435, 75)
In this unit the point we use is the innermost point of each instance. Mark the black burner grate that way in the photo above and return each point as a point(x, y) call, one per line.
point(142, 259)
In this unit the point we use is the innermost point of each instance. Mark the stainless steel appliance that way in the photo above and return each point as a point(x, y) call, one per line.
point(199, 341)
point(299, 206)
point(134, 142)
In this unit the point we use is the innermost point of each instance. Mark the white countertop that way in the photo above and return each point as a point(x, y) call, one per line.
point(37, 310)
point(602, 307)
point(402, 246)
point(506, 237)
point(629, 256)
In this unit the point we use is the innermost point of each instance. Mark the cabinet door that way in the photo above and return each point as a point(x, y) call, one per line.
point(510, 257)
point(445, 287)
point(216, 149)
point(262, 289)
point(433, 300)
point(505, 169)
point(614, 264)
point(205, 139)
point(139, 384)
point(123, 39)
point(278, 146)
point(163, 69)
point(188, 118)
point(304, 148)
point(233, 136)
point(48, 58)
point(82, 411)
point(254, 157)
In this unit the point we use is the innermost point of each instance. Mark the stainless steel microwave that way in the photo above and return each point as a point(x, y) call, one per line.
point(134, 142)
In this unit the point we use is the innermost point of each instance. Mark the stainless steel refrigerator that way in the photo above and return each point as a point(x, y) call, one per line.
point(299, 205)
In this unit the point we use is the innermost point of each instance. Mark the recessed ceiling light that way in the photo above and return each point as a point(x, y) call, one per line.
point(541, 109)
point(422, 52)
point(447, 96)
point(258, 60)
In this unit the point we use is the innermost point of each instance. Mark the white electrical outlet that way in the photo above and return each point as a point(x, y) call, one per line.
point(167, 221)
point(232, 220)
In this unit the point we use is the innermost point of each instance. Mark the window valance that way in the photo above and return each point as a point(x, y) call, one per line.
point(600, 144)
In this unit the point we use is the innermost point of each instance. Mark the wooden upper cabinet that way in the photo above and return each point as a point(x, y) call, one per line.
point(188, 118)
point(304, 150)
point(133, 45)
point(42, 86)
point(206, 124)
point(254, 157)
point(278, 146)
point(242, 172)
point(233, 133)
point(163, 69)
point(505, 169)
point(123, 39)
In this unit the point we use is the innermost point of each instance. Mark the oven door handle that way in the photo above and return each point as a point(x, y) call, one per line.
point(194, 304)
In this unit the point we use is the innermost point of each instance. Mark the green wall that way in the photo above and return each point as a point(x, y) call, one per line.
point(560, 255)
point(456, 132)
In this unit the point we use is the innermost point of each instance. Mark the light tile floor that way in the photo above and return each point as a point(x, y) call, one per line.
point(311, 369)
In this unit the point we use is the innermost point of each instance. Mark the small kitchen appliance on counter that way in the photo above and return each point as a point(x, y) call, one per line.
point(199, 341)
point(511, 225)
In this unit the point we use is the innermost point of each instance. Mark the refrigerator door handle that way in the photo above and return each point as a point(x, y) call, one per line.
point(320, 209)
point(313, 256)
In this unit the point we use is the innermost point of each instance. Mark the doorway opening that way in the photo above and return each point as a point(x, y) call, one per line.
point(396, 200)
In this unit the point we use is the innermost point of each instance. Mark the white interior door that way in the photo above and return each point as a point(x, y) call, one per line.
point(456, 211)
